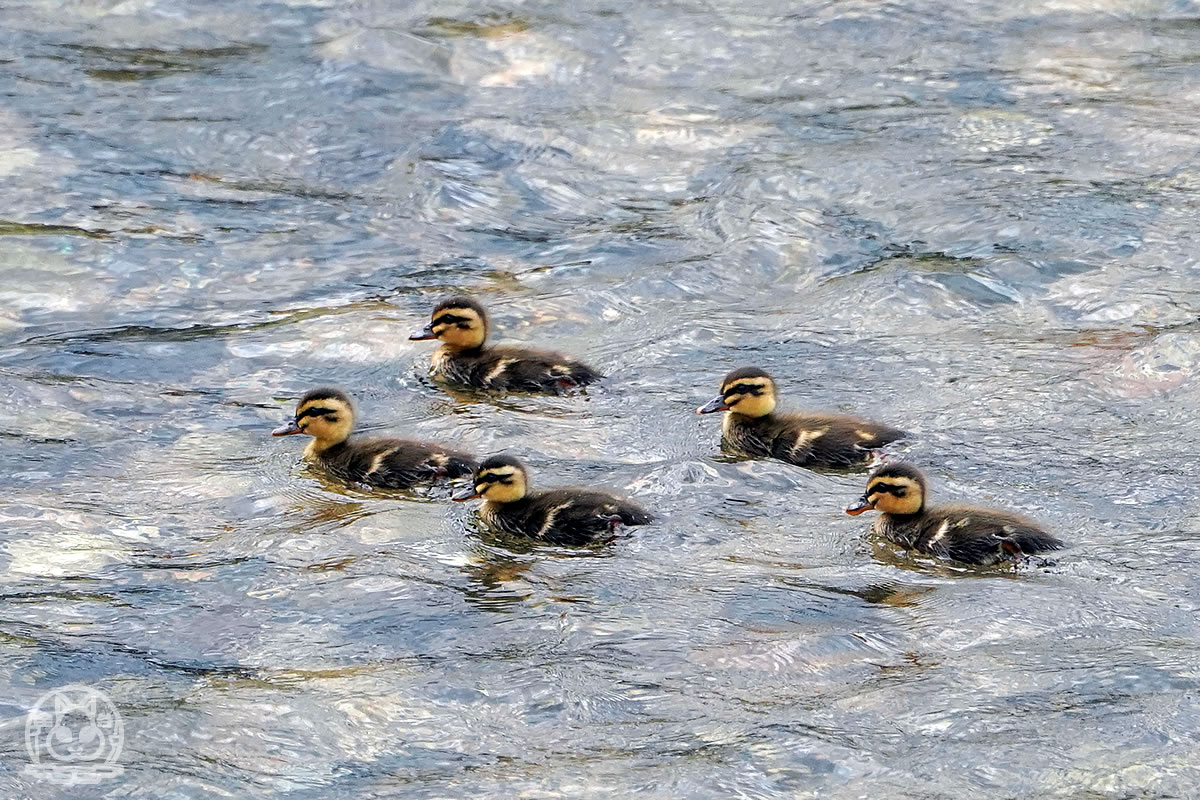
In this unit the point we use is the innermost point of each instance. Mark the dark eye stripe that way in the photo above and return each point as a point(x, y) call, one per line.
point(450, 319)
point(318, 411)
point(888, 488)
point(492, 477)
point(755, 389)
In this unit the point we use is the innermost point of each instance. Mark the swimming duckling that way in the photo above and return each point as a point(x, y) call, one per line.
point(461, 325)
point(327, 415)
point(566, 516)
point(971, 535)
point(808, 440)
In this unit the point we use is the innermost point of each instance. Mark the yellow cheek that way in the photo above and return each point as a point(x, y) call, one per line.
point(458, 337)
point(753, 406)
point(504, 492)
point(890, 504)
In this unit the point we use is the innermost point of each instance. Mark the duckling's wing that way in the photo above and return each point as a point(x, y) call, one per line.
point(399, 463)
point(828, 440)
point(983, 536)
point(524, 369)
point(565, 517)
point(794, 442)
point(579, 516)
point(612, 509)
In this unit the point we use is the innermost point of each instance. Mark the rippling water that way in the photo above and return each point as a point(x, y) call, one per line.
point(977, 221)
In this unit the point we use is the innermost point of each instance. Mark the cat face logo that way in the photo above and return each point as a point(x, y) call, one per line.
point(74, 735)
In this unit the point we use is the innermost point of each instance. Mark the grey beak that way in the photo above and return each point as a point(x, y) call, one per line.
point(424, 333)
point(716, 404)
point(289, 429)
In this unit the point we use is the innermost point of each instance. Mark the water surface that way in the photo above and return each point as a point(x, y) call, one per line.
point(977, 221)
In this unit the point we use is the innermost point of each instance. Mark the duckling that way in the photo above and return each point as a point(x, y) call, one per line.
point(327, 415)
point(807, 440)
point(980, 536)
point(566, 516)
point(461, 325)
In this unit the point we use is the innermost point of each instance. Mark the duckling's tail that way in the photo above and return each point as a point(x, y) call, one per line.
point(568, 377)
point(633, 515)
point(1027, 543)
point(1041, 542)
point(459, 466)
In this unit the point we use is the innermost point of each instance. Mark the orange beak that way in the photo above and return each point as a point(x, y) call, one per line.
point(860, 506)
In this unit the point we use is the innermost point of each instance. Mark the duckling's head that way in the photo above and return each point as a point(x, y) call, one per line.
point(326, 414)
point(892, 489)
point(748, 391)
point(459, 322)
point(500, 479)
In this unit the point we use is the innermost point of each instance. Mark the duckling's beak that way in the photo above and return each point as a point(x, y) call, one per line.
point(424, 333)
point(287, 430)
point(861, 505)
point(464, 495)
point(716, 404)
